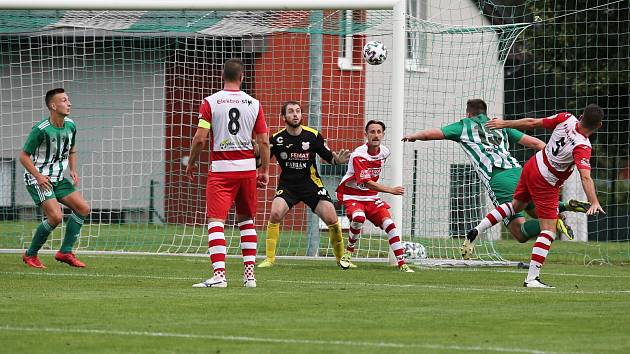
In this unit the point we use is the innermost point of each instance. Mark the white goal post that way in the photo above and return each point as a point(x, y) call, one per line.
point(397, 55)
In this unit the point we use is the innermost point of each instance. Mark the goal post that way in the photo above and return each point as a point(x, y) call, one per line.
point(85, 21)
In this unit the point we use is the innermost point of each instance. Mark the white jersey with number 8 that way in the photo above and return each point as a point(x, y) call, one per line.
point(233, 115)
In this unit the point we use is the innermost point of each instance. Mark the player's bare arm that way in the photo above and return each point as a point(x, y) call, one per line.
point(589, 190)
point(425, 135)
point(42, 181)
point(532, 143)
point(375, 186)
point(262, 140)
point(525, 123)
point(200, 138)
point(72, 163)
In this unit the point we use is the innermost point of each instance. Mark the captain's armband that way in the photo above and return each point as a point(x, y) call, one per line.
point(204, 124)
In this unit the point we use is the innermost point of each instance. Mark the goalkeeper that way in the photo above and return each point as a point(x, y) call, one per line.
point(488, 152)
point(295, 147)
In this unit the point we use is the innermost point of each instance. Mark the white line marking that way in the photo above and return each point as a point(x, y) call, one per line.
point(340, 284)
point(275, 340)
point(456, 288)
point(96, 275)
point(195, 258)
point(524, 271)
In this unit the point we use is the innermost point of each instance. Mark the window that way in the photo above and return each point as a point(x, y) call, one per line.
point(416, 41)
point(348, 54)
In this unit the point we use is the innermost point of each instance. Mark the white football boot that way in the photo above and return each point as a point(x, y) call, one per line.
point(249, 283)
point(536, 283)
point(214, 282)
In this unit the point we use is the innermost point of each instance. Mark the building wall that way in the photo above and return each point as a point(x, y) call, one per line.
point(116, 91)
point(277, 71)
point(343, 92)
point(126, 100)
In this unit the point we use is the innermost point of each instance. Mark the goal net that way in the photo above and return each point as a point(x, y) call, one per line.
point(136, 80)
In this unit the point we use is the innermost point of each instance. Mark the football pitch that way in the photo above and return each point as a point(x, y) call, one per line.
point(145, 304)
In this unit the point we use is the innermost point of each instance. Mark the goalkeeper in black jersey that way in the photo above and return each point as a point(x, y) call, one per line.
point(295, 148)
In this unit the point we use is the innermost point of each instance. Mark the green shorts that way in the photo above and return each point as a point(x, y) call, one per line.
point(503, 184)
point(60, 189)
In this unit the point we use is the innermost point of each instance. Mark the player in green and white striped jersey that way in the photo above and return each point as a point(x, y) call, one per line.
point(49, 151)
point(489, 154)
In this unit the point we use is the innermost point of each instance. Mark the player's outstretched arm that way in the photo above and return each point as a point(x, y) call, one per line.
point(371, 185)
point(200, 138)
point(531, 142)
point(525, 123)
point(425, 135)
point(589, 190)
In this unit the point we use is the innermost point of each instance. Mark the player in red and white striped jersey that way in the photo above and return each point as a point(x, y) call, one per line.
point(359, 188)
point(233, 117)
point(544, 174)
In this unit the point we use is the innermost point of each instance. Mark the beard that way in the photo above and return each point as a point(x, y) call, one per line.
point(291, 124)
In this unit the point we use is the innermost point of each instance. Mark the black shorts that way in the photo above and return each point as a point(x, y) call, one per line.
point(310, 194)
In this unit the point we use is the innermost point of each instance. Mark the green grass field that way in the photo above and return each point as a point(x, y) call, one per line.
point(145, 304)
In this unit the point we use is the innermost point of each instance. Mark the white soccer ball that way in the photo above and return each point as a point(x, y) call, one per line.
point(374, 52)
point(414, 250)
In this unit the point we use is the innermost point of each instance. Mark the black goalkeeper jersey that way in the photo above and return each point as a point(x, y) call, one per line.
point(296, 156)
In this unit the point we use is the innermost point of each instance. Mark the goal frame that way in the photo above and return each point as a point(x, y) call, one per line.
point(397, 56)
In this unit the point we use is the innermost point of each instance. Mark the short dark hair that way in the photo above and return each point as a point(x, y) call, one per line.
point(232, 70)
point(374, 121)
point(476, 106)
point(592, 116)
point(283, 109)
point(51, 93)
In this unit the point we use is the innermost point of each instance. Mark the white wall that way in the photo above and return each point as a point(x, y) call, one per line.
point(117, 102)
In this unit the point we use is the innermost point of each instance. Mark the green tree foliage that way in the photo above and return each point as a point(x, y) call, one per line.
point(586, 48)
point(574, 53)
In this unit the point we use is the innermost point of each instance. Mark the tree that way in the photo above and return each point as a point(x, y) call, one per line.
point(575, 53)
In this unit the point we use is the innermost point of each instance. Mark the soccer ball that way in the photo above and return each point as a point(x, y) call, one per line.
point(414, 250)
point(374, 52)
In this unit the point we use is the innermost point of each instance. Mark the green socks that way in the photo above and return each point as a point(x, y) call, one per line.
point(531, 228)
point(41, 235)
point(75, 221)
